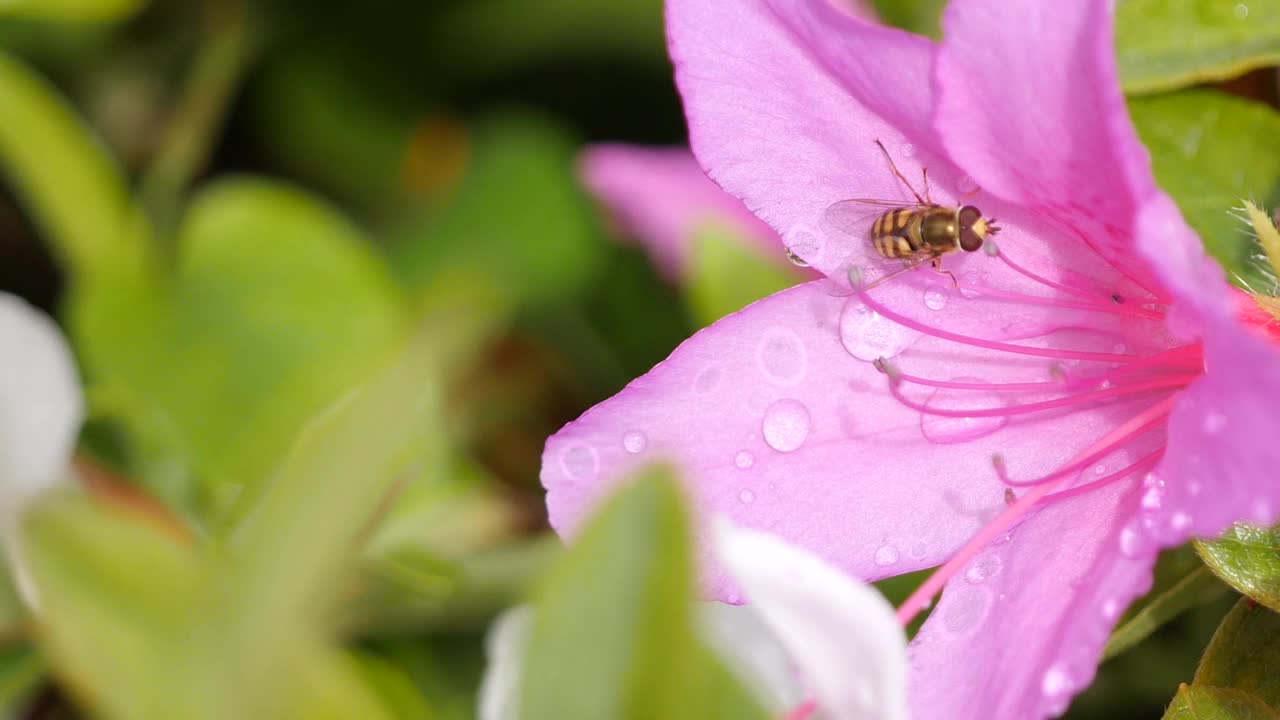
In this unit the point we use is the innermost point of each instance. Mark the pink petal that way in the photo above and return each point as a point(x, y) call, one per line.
point(1029, 104)
point(776, 417)
point(662, 197)
point(784, 99)
point(1019, 633)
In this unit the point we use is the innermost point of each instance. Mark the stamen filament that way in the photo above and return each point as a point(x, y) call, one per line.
point(1112, 308)
point(1013, 513)
point(1067, 401)
point(1044, 280)
point(1146, 462)
point(1082, 461)
point(993, 344)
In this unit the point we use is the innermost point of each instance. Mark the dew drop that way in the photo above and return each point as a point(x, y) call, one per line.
point(580, 462)
point(1131, 542)
point(746, 497)
point(795, 259)
point(965, 608)
point(1214, 423)
point(907, 150)
point(983, 568)
point(804, 248)
point(966, 185)
point(1110, 609)
point(635, 442)
point(786, 425)
point(1180, 522)
point(744, 460)
point(886, 555)
point(1152, 498)
point(1241, 11)
point(708, 380)
point(919, 550)
point(934, 299)
point(781, 357)
point(868, 335)
point(1056, 682)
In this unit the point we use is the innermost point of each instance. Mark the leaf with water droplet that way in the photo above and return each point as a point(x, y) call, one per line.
point(1244, 653)
point(1210, 703)
point(612, 633)
point(1248, 559)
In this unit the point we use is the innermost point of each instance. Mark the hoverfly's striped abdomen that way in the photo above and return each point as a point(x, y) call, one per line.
point(915, 230)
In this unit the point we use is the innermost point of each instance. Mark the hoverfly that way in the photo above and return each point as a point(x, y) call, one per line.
point(915, 233)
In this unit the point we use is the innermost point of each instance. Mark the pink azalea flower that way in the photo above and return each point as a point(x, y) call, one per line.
point(1087, 394)
point(662, 198)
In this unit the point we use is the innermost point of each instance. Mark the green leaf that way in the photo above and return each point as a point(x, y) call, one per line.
point(64, 176)
point(73, 10)
point(725, 275)
point(115, 596)
point(1172, 595)
point(279, 305)
point(1165, 44)
point(21, 671)
point(1210, 703)
point(612, 635)
point(1248, 559)
point(919, 16)
point(1209, 150)
point(1245, 653)
point(519, 227)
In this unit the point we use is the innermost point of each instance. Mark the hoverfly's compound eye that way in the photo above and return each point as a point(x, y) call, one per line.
point(969, 240)
point(968, 216)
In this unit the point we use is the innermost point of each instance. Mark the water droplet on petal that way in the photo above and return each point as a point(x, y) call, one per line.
point(1056, 682)
point(708, 380)
point(744, 459)
point(1152, 498)
point(734, 598)
point(794, 259)
point(786, 425)
point(804, 248)
point(966, 185)
point(868, 335)
point(1132, 542)
point(964, 607)
point(1110, 609)
point(907, 150)
point(919, 550)
point(934, 299)
point(886, 555)
point(746, 497)
point(1214, 423)
point(1180, 522)
point(983, 568)
point(782, 357)
point(635, 442)
point(580, 462)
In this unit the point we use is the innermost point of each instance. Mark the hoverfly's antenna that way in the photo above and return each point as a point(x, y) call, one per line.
point(906, 182)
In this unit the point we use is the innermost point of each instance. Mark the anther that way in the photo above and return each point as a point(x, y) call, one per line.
point(888, 369)
point(1010, 497)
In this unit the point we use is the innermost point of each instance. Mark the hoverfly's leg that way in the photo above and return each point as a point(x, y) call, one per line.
point(899, 174)
point(924, 172)
point(937, 267)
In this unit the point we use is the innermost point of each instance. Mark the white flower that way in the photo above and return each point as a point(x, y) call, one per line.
point(810, 631)
point(41, 406)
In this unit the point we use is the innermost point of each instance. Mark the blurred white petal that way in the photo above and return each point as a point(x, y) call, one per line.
point(41, 406)
point(841, 634)
point(504, 649)
point(746, 645)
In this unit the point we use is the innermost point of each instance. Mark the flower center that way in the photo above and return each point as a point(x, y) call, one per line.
point(1145, 382)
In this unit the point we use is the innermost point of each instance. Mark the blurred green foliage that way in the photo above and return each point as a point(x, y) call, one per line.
point(332, 280)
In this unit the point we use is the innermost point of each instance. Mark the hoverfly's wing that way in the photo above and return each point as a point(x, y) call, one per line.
point(863, 284)
point(854, 216)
